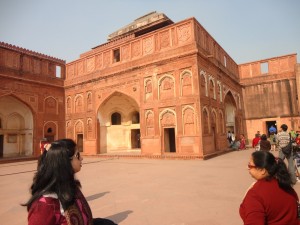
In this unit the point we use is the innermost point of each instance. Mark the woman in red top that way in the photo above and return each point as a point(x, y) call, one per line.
point(255, 142)
point(271, 200)
point(56, 197)
point(242, 142)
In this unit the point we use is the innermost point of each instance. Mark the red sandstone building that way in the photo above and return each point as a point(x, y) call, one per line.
point(156, 88)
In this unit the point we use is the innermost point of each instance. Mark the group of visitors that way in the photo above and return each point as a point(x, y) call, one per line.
point(271, 199)
point(56, 198)
point(236, 143)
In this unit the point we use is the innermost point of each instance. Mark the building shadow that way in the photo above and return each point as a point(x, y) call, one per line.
point(96, 196)
point(119, 217)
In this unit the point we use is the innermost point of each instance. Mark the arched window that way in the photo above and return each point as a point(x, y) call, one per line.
point(205, 122)
point(135, 118)
point(116, 119)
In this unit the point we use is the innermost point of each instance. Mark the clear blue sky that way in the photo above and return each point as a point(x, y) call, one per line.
point(248, 30)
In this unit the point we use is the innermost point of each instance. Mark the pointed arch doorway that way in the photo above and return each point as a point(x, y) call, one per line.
point(16, 127)
point(119, 124)
point(230, 112)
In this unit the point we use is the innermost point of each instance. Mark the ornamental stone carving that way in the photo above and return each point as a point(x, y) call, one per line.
point(149, 123)
point(184, 33)
point(188, 120)
point(168, 118)
point(136, 49)
point(164, 39)
point(98, 61)
point(148, 45)
point(125, 53)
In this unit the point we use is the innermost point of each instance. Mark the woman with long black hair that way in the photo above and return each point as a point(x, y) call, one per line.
point(56, 197)
point(271, 199)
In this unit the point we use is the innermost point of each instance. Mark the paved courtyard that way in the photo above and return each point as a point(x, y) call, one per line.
point(145, 191)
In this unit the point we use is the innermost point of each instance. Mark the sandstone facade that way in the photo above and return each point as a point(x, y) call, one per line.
point(174, 87)
point(156, 88)
point(31, 100)
point(271, 90)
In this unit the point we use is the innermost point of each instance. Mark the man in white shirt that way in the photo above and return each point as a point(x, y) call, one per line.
point(283, 139)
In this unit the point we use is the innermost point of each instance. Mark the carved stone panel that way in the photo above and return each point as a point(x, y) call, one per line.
point(203, 86)
point(184, 33)
point(164, 38)
point(79, 127)
point(98, 61)
point(168, 118)
point(50, 105)
point(80, 68)
point(136, 49)
point(186, 84)
point(90, 64)
point(69, 129)
point(149, 123)
point(69, 106)
point(79, 104)
point(166, 87)
point(89, 102)
point(148, 45)
point(125, 53)
point(148, 89)
point(188, 121)
point(90, 128)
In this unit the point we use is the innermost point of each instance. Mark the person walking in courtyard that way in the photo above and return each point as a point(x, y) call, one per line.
point(255, 142)
point(271, 200)
point(283, 139)
point(272, 131)
point(264, 144)
point(56, 198)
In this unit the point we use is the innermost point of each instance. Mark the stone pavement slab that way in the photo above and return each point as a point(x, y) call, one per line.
point(145, 191)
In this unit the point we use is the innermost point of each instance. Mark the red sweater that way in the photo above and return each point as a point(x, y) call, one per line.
point(266, 201)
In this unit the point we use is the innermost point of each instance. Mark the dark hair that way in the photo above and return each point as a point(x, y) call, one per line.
point(55, 174)
point(263, 137)
point(275, 166)
point(284, 127)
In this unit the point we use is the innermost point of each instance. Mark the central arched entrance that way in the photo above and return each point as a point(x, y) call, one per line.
point(119, 124)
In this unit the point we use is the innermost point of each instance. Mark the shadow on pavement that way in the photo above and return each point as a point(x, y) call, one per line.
point(96, 196)
point(119, 217)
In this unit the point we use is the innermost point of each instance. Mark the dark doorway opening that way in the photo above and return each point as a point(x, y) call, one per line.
point(80, 142)
point(269, 124)
point(135, 138)
point(1, 145)
point(169, 140)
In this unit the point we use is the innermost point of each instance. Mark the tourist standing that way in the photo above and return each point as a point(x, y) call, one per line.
point(283, 139)
point(271, 199)
point(264, 144)
point(255, 142)
point(56, 198)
